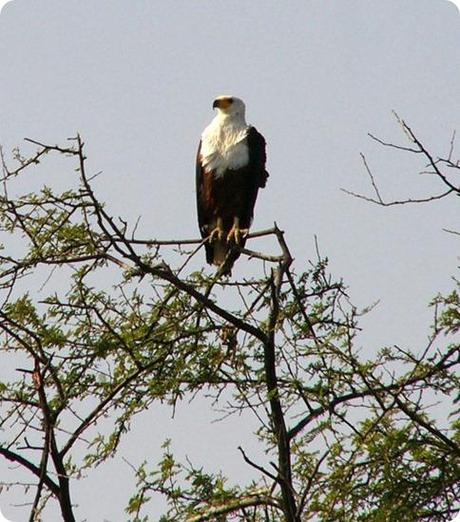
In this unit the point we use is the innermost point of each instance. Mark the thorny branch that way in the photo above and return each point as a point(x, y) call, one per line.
point(287, 354)
point(435, 164)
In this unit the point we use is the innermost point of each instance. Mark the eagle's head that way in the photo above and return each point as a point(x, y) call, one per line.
point(229, 106)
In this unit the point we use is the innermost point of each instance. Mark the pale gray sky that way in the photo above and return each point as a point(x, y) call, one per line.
point(137, 80)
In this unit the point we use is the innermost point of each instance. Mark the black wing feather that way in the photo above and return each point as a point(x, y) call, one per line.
point(257, 156)
point(203, 220)
point(199, 188)
point(256, 170)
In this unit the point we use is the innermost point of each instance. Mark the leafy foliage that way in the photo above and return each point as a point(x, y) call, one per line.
point(346, 438)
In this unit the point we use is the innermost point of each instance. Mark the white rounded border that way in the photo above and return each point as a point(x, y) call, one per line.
point(2, 5)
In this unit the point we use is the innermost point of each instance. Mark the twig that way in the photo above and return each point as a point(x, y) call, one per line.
point(256, 466)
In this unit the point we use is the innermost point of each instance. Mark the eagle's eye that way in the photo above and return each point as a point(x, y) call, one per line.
point(222, 103)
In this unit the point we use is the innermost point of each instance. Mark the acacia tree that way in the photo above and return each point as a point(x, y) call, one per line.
point(346, 437)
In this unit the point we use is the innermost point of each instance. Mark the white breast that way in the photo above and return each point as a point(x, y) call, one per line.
point(224, 146)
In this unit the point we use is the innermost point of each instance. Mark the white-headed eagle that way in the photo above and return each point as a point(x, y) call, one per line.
point(230, 169)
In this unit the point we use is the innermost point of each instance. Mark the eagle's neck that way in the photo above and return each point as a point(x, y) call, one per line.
point(223, 144)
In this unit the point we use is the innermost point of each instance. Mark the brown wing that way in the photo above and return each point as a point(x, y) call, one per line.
point(204, 218)
point(256, 173)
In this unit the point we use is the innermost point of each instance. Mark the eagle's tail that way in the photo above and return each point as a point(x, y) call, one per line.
point(225, 255)
point(220, 251)
point(221, 254)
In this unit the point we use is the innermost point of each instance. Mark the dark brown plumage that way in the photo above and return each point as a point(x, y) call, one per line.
point(227, 196)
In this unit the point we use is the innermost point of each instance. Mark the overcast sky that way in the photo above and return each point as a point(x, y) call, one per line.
point(137, 80)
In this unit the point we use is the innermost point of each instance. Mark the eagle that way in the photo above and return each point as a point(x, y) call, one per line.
point(230, 170)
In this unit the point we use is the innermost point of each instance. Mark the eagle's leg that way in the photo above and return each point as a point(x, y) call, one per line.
point(217, 233)
point(236, 233)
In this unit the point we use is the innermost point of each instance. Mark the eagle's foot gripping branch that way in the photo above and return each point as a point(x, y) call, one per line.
point(217, 233)
point(236, 233)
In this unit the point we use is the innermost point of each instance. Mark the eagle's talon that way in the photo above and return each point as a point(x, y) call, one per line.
point(216, 234)
point(236, 234)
